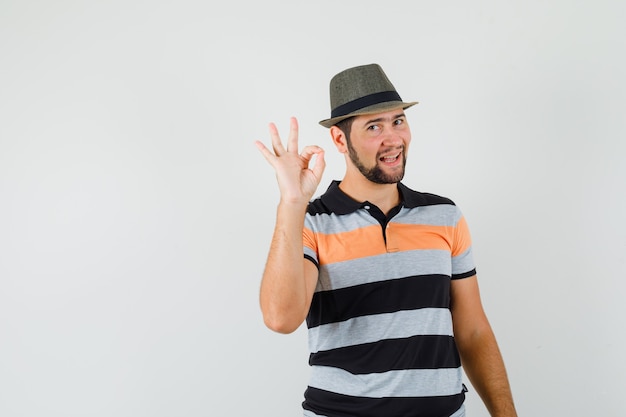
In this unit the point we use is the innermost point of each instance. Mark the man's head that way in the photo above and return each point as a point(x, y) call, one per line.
point(368, 123)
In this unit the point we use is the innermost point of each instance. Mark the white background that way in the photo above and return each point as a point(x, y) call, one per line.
point(136, 212)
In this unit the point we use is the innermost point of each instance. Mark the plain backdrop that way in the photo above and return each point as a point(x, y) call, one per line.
point(136, 212)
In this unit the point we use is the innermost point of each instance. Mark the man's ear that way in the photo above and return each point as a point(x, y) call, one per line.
point(339, 139)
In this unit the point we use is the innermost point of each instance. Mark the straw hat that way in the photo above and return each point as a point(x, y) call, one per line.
point(362, 90)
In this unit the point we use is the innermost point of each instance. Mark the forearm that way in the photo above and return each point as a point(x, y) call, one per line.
point(284, 293)
point(483, 364)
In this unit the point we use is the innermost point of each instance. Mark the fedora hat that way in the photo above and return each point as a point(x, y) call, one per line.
point(362, 90)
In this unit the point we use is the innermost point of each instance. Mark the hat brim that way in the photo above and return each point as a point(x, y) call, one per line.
point(373, 109)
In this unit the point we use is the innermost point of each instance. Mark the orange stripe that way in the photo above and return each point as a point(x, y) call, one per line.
point(359, 243)
point(368, 241)
point(455, 239)
point(403, 237)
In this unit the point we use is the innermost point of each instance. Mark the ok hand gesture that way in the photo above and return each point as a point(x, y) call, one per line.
point(296, 181)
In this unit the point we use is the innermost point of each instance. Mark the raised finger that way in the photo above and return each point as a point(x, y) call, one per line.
point(276, 142)
point(292, 140)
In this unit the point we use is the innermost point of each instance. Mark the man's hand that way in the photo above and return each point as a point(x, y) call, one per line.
point(296, 181)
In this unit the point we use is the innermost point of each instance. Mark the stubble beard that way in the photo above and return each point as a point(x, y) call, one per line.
point(375, 174)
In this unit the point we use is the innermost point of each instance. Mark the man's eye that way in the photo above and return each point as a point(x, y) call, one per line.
point(372, 127)
point(399, 121)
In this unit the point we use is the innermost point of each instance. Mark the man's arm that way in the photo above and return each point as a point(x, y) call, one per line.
point(480, 355)
point(289, 279)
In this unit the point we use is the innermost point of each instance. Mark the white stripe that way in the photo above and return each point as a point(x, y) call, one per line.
point(404, 383)
point(463, 262)
point(439, 215)
point(384, 267)
point(367, 329)
point(333, 224)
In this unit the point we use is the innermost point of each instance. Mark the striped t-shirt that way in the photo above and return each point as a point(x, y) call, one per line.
point(379, 327)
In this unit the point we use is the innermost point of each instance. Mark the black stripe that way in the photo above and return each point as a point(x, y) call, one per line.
point(362, 102)
point(409, 293)
point(465, 274)
point(417, 352)
point(329, 404)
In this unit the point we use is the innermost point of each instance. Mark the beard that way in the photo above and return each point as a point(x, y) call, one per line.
point(375, 174)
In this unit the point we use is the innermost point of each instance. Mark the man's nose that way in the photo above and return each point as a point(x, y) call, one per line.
point(392, 138)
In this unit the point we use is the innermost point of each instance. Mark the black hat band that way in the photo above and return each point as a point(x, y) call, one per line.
point(365, 101)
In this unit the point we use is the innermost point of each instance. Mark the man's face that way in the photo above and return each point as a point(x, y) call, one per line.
point(378, 145)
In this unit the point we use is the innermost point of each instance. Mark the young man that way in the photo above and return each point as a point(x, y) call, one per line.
point(382, 274)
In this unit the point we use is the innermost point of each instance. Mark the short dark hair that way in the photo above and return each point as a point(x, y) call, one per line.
point(346, 126)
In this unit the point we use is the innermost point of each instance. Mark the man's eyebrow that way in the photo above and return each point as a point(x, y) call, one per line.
point(380, 119)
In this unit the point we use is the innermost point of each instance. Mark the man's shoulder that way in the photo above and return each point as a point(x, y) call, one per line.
point(412, 198)
point(333, 201)
point(317, 206)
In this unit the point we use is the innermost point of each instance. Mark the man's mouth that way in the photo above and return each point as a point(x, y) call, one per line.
point(390, 158)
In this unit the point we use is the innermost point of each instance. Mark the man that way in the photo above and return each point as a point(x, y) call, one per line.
point(382, 274)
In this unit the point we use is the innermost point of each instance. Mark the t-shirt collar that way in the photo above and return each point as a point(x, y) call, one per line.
point(340, 203)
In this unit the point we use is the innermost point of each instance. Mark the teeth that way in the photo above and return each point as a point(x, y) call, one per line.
point(390, 158)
